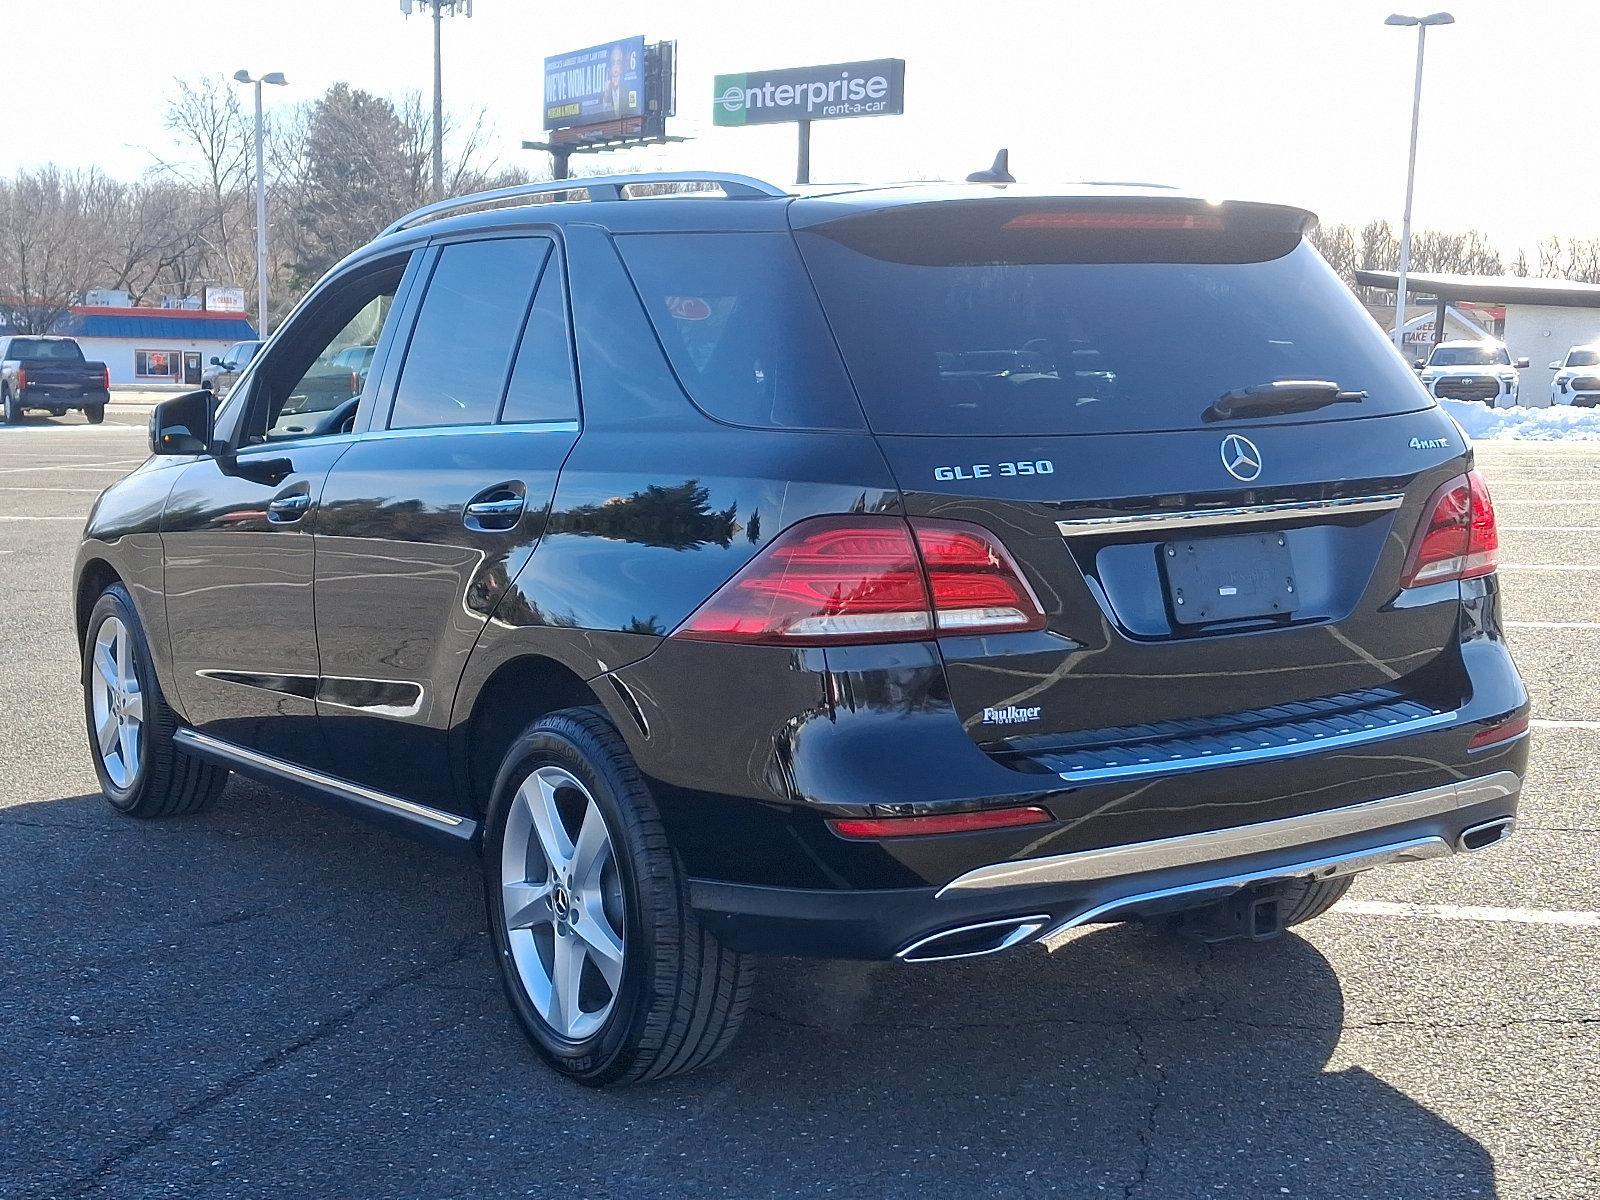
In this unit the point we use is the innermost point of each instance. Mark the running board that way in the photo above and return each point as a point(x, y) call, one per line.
point(406, 815)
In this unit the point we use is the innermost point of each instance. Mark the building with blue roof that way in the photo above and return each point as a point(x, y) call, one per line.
point(155, 346)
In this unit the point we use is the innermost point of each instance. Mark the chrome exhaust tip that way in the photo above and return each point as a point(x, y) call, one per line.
point(1486, 834)
point(973, 941)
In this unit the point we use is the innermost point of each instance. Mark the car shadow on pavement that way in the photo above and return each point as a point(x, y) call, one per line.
point(207, 1004)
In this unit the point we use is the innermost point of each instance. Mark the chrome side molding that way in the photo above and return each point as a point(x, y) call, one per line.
point(351, 795)
point(1221, 845)
point(1190, 520)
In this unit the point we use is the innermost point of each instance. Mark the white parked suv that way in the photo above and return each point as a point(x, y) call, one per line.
point(1481, 371)
point(1577, 378)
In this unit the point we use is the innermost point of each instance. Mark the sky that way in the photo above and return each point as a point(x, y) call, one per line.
point(1302, 101)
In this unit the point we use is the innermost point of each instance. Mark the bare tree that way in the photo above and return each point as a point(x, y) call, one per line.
point(47, 245)
point(211, 131)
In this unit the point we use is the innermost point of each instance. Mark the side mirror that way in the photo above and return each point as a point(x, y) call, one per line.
point(1555, 366)
point(183, 425)
point(1521, 362)
point(1417, 364)
point(215, 361)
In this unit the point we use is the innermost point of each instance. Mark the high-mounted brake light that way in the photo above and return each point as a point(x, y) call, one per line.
point(860, 828)
point(1458, 538)
point(840, 580)
point(1059, 219)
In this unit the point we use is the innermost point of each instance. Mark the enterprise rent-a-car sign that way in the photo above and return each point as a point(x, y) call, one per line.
point(856, 89)
point(601, 83)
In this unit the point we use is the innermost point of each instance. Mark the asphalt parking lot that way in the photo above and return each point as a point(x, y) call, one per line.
point(270, 1000)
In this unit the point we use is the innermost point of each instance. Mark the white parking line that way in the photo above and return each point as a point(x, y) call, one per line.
point(1550, 566)
point(1552, 624)
point(30, 517)
point(1552, 723)
point(73, 491)
point(1550, 529)
point(1468, 912)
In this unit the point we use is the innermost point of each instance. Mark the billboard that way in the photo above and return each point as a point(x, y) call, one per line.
point(595, 85)
point(855, 89)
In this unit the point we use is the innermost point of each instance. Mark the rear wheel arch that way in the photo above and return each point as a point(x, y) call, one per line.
point(516, 694)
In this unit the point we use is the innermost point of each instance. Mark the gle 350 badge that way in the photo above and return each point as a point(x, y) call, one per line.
point(1037, 466)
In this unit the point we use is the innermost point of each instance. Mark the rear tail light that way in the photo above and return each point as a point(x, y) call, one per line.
point(22, 379)
point(1504, 731)
point(884, 827)
point(105, 378)
point(1458, 538)
point(836, 580)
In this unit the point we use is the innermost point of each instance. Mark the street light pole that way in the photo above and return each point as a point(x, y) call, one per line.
point(1422, 23)
point(438, 106)
point(277, 80)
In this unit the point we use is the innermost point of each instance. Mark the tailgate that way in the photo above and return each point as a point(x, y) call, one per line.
point(1095, 529)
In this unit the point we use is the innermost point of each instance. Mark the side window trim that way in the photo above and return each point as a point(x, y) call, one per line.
point(522, 332)
point(424, 276)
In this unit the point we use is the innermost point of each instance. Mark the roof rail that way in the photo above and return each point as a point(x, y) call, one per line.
point(599, 187)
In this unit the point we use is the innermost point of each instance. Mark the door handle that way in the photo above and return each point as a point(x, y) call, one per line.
point(497, 510)
point(287, 509)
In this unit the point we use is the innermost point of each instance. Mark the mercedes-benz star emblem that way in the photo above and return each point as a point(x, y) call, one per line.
point(1241, 458)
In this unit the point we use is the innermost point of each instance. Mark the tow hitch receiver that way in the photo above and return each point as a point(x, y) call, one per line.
point(1253, 914)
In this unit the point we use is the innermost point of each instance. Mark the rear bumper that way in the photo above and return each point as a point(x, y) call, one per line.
point(86, 398)
point(1025, 899)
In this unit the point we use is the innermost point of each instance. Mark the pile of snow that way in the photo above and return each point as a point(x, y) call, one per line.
point(1558, 423)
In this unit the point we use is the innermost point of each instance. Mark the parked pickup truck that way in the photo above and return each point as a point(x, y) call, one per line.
point(50, 374)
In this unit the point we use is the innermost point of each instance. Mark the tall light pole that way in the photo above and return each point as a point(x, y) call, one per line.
point(277, 80)
point(1422, 23)
point(439, 9)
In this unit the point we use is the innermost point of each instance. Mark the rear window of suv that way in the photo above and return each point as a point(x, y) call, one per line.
point(999, 317)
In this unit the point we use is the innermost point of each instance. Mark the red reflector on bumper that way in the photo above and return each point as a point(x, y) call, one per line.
point(888, 827)
point(1503, 732)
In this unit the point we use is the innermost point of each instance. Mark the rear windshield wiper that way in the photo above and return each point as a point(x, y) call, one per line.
point(1280, 396)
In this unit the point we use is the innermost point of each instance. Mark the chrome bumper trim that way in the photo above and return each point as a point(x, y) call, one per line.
point(1220, 845)
point(1413, 850)
point(1193, 519)
point(227, 752)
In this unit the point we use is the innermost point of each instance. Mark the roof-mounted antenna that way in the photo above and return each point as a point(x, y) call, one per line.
point(999, 173)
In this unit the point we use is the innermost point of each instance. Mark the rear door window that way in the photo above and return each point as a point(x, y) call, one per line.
point(466, 333)
point(997, 321)
point(738, 318)
point(542, 385)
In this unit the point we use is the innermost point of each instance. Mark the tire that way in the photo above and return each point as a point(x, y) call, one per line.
point(1301, 900)
point(163, 781)
point(13, 408)
point(95, 412)
point(679, 995)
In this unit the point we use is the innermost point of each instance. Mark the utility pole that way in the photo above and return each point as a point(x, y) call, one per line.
point(439, 9)
point(277, 80)
point(1421, 24)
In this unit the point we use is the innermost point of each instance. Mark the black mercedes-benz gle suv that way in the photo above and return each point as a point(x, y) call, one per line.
point(892, 573)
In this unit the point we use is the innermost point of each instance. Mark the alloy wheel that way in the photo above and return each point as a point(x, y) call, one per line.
point(561, 895)
point(117, 702)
